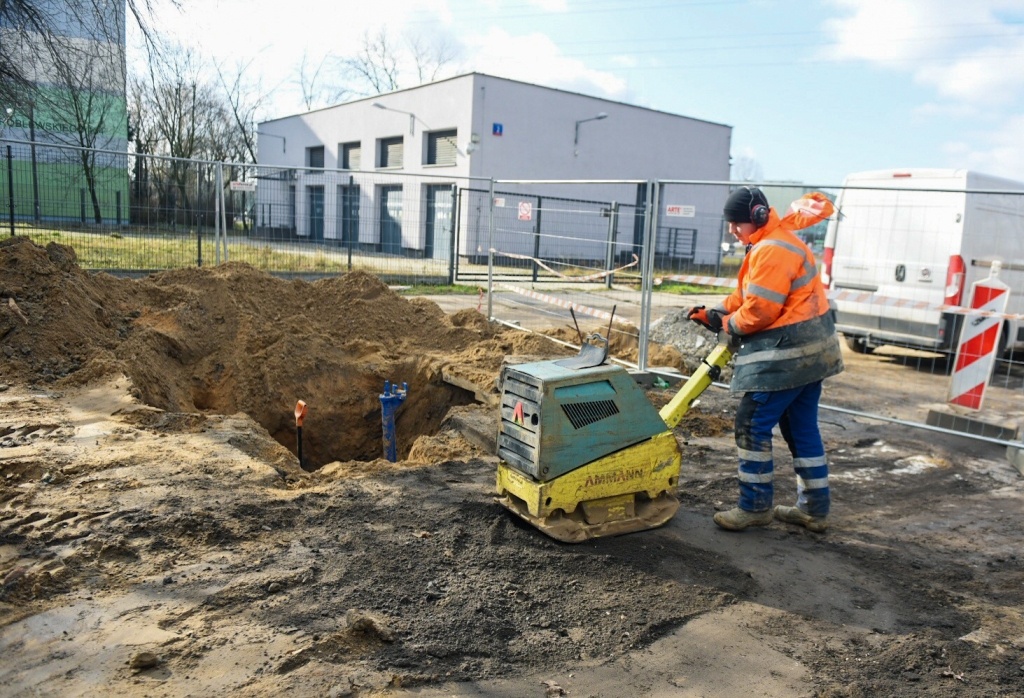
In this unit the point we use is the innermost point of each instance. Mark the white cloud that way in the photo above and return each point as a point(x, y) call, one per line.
point(1001, 152)
point(624, 61)
point(536, 58)
point(931, 110)
point(876, 30)
point(960, 49)
point(542, 5)
point(993, 74)
point(550, 5)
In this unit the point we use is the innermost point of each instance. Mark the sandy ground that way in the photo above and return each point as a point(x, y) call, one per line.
point(159, 538)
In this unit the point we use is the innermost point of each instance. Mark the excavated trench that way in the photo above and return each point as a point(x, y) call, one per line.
point(344, 416)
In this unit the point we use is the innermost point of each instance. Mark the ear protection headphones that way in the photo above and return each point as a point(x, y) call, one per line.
point(759, 210)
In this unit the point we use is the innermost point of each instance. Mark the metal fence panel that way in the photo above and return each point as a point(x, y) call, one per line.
point(401, 227)
point(136, 213)
point(899, 263)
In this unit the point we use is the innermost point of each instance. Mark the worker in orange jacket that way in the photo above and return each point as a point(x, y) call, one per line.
point(782, 328)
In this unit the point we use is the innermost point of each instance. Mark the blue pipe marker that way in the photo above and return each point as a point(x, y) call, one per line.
point(390, 400)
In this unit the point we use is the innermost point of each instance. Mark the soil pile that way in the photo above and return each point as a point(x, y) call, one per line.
point(233, 339)
point(691, 341)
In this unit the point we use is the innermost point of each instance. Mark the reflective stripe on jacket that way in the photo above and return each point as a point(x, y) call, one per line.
point(781, 311)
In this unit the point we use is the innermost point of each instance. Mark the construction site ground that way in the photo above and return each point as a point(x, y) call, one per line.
point(158, 536)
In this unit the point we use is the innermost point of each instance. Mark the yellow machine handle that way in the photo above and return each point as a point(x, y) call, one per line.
point(709, 370)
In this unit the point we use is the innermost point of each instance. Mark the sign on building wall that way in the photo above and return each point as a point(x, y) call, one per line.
point(497, 129)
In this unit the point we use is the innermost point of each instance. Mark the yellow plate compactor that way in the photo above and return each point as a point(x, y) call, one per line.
point(583, 453)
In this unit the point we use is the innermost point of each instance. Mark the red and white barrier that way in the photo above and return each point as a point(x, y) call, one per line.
point(979, 341)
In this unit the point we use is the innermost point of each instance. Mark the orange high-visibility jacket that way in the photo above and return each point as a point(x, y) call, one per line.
point(778, 282)
point(781, 314)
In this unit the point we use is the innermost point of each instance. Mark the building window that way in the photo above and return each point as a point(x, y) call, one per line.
point(441, 148)
point(351, 155)
point(315, 157)
point(390, 152)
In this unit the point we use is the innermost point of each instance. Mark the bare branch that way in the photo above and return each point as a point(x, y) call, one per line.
point(33, 28)
point(315, 91)
point(243, 103)
point(431, 56)
point(377, 66)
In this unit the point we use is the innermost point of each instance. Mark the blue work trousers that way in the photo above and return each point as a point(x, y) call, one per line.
point(796, 413)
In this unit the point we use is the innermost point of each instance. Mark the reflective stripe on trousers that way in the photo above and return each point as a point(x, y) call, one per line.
point(796, 412)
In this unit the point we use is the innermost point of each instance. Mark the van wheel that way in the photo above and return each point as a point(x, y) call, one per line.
point(858, 345)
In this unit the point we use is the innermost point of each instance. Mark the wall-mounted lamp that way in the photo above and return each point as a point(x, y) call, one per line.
point(284, 141)
point(412, 117)
point(576, 138)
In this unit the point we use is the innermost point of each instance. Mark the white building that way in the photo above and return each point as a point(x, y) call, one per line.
point(395, 158)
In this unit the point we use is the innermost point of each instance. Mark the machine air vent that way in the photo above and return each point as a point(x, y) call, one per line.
point(583, 413)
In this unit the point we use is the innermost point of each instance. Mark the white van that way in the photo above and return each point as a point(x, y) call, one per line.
point(919, 239)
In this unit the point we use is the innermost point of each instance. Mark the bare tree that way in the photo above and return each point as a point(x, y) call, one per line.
point(244, 101)
point(72, 73)
point(317, 91)
point(431, 57)
point(375, 63)
point(177, 110)
point(181, 116)
point(382, 64)
point(28, 27)
point(87, 103)
point(143, 137)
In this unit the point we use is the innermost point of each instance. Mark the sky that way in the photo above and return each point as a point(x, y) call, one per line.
point(813, 89)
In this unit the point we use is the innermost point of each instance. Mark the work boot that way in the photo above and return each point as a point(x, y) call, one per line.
point(796, 516)
point(738, 519)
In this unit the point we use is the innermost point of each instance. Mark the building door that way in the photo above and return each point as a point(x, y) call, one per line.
point(316, 213)
point(439, 222)
point(349, 208)
point(391, 219)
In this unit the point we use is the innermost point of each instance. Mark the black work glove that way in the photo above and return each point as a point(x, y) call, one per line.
point(711, 319)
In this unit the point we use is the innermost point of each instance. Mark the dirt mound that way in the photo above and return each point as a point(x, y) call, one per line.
point(56, 317)
point(233, 339)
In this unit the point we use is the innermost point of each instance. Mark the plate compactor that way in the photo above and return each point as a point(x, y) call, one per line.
point(583, 453)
